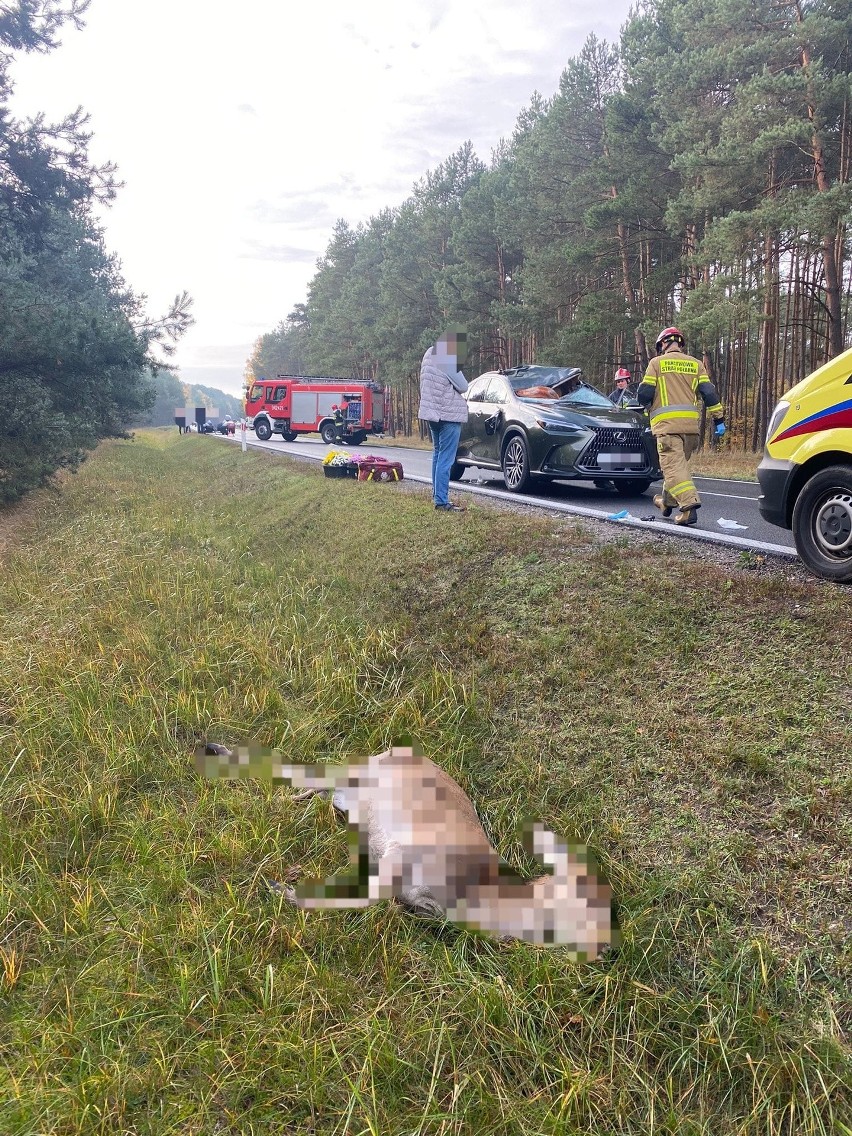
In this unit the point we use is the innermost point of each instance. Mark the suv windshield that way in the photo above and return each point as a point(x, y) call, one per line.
point(538, 376)
point(562, 384)
point(585, 395)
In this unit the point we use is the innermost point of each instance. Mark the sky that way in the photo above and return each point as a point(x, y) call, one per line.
point(243, 132)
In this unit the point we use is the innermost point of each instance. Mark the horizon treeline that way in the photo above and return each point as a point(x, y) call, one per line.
point(75, 343)
point(696, 173)
point(170, 393)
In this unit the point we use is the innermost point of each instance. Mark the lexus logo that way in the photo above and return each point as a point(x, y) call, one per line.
point(620, 436)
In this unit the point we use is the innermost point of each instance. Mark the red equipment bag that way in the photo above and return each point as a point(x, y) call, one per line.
point(379, 470)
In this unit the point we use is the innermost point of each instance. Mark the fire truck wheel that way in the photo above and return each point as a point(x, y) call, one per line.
point(290, 436)
point(328, 433)
point(357, 438)
point(263, 431)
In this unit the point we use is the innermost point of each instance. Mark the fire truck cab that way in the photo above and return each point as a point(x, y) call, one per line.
point(337, 409)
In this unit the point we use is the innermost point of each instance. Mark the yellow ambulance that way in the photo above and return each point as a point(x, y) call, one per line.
point(806, 472)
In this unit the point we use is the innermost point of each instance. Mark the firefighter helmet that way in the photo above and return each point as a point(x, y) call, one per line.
point(622, 373)
point(669, 335)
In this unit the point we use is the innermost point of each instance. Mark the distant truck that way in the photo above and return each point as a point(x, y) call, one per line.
point(345, 410)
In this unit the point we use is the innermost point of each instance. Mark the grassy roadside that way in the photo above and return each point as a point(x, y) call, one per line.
point(693, 722)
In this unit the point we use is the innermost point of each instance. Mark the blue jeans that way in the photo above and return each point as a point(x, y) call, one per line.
point(445, 440)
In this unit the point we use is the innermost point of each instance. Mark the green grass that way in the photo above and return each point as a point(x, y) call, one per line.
point(691, 722)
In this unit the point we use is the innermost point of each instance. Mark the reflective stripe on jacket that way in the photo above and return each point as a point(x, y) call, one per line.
point(670, 390)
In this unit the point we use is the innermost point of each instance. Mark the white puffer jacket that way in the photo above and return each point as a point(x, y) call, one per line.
point(441, 388)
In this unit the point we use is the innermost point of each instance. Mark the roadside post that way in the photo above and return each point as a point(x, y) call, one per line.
point(243, 433)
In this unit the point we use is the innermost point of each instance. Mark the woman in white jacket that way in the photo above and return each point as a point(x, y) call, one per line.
point(441, 405)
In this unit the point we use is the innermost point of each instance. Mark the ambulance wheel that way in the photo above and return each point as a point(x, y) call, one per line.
point(328, 433)
point(822, 524)
point(263, 431)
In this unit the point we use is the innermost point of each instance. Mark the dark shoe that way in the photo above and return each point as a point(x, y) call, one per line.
point(449, 508)
point(688, 515)
point(660, 502)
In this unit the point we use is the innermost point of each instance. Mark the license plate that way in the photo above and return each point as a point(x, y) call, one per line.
point(621, 459)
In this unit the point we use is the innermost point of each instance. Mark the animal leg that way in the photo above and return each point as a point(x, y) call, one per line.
point(348, 889)
point(338, 798)
point(217, 761)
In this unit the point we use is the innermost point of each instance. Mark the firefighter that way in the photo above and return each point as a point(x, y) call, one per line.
point(622, 395)
point(339, 422)
point(669, 392)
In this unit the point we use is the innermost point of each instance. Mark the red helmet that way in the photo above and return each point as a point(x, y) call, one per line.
point(668, 335)
point(622, 373)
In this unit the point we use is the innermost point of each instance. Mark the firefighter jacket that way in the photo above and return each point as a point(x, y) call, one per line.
point(670, 391)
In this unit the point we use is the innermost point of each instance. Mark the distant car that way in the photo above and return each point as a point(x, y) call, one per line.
point(207, 427)
point(537, 422)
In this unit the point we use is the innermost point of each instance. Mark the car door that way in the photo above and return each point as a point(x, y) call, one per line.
point(472, 436)
point(495, 403)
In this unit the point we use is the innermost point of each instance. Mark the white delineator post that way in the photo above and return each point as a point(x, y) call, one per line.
point(243, 433)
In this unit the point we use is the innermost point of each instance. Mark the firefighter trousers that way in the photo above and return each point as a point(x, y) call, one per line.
point(675, 450)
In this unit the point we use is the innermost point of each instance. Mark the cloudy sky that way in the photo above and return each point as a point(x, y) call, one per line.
point(242, 132)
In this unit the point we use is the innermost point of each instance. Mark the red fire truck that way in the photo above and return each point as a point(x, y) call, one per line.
point(344, 410)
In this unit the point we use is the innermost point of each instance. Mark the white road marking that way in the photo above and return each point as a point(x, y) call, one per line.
point(728, 496)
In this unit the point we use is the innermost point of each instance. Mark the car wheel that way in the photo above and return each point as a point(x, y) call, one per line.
point(822, 524)
point(632, 486)
point(263, 431)
point(328, 433)
point(516, 465)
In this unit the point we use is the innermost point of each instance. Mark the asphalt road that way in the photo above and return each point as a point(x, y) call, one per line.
point(732, 501)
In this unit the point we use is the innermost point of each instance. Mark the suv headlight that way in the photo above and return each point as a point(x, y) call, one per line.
point(776, 419)
point(558, 427)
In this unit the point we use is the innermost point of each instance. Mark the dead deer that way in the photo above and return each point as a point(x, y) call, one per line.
point(415, 837)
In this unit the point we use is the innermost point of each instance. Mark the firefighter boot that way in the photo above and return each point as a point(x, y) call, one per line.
point(660, 502)
point(687, 515)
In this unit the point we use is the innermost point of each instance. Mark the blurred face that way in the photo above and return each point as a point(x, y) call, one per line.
point(456, 344)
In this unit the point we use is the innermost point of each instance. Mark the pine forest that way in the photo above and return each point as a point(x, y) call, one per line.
point(695, 173)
